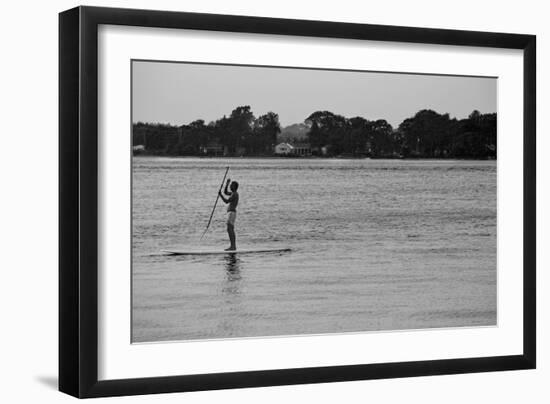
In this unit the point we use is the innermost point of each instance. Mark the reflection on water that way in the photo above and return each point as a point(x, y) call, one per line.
point(232, 267)
point(231, 291)
point(233, 274)
point(376, 245)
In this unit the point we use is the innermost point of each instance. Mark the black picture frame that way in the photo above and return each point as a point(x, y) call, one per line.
point(78, 201)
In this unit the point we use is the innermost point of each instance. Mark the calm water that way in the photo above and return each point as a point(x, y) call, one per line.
point(377, 245)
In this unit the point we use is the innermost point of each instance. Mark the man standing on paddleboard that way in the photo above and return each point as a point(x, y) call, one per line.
point(233, 201)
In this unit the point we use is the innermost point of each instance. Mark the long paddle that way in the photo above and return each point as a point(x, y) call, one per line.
point(215, 203)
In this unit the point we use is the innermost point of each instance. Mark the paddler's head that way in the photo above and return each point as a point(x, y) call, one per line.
point(234, 186)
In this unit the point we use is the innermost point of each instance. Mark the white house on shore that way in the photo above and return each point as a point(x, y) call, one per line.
point(302, 149)
point(297, 149)
point(284, 149)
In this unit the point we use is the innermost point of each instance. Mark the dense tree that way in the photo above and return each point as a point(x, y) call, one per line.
point(475, 137)
point(192, 137)
point(427, 134)
point(330, 129)
point(355, 136)
point(156, 137)
point(359, 135)
point(266, 129)
point(240, 128)
point(382, 140)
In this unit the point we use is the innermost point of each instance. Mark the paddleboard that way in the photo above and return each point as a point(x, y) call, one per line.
point(217, 252)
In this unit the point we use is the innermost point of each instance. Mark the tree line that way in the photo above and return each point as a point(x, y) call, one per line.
point(239, 133)
point(427, 134)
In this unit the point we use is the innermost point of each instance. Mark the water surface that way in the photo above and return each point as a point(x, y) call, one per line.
point(377, 245)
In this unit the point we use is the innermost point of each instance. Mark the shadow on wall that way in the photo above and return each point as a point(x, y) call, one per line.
point(48, 381)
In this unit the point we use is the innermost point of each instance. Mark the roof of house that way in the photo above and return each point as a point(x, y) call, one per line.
point(285, 144)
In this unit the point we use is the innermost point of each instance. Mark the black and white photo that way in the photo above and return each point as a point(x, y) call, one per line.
point(278, 201)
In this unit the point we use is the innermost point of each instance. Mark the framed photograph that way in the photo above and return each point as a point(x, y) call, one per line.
point(251, 201)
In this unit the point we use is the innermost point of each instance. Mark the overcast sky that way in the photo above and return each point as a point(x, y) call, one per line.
point(179, 93)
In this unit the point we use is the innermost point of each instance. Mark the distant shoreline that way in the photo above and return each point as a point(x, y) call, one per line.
point(145, 155)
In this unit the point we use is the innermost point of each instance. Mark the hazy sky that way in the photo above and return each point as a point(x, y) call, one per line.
point(179, 93)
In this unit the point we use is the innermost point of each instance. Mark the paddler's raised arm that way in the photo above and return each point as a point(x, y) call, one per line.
point(226, 190)
point(226, 200)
